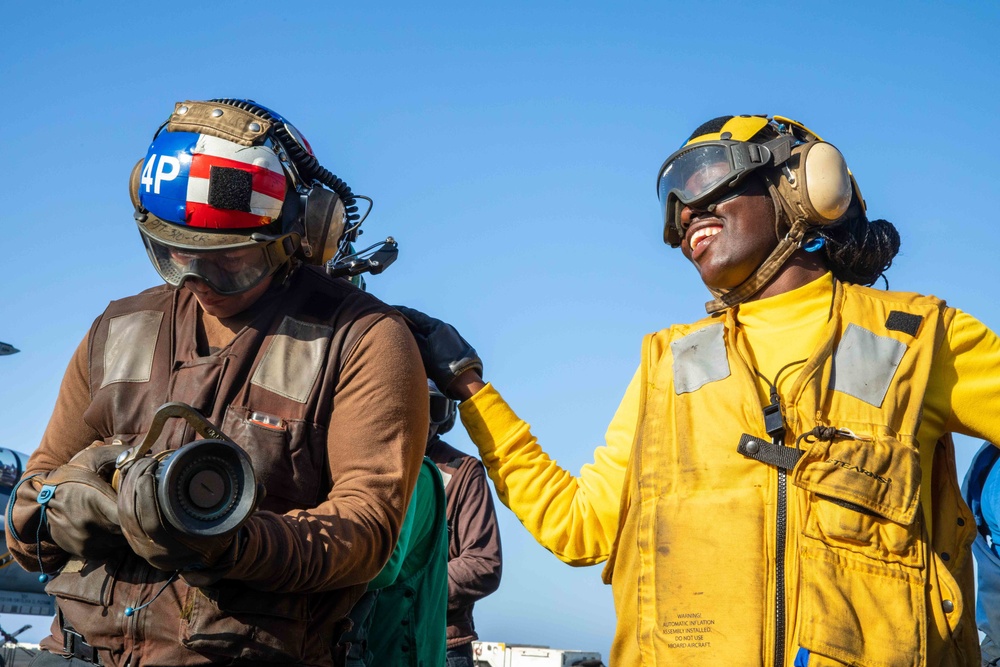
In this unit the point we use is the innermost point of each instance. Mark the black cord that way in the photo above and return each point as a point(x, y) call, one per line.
point(131, 611)
point(774, 385)
point(305, 163)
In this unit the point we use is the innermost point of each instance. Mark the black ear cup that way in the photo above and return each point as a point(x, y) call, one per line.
point(206, 488)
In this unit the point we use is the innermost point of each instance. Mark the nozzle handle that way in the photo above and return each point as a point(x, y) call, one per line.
point(195, 419)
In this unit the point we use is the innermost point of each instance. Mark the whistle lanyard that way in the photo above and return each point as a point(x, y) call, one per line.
point(774, 418)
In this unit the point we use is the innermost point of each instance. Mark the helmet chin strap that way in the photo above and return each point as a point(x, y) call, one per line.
point(768, 269)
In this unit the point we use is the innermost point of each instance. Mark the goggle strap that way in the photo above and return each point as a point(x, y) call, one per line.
point(781, 149)
point(279, 248)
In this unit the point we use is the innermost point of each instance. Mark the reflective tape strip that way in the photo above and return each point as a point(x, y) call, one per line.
point(294, 359)
point(129, 349)
point(864, 364)
point(699, 358)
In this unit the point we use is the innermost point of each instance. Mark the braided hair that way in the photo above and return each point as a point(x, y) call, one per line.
point(857, 250)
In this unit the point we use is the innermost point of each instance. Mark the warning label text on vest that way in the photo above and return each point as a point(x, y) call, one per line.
point(688, 631)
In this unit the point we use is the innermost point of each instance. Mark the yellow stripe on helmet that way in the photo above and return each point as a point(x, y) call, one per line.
point(795, 123)
point(740, 128)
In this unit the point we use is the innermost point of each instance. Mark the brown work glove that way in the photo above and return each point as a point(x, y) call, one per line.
point(81, 516)
point(201, 560)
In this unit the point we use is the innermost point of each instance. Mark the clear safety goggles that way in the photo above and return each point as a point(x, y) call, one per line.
point(710, 172)
point(228, 270)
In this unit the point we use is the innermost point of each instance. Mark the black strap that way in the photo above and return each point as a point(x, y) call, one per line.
point(767, 452)
point(75, 645)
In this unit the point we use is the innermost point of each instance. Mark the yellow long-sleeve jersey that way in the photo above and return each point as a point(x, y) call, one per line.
point(581, 518)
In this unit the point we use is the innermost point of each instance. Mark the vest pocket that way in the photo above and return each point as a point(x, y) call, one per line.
point(85, 590)
point(837, 523)
point(234, 622)
point(281, 456)
point(860, 612)
point(705, 613)
point(86, 581)
point(863, 558)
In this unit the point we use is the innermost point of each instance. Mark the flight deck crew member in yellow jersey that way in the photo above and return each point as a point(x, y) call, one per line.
point(778, 486)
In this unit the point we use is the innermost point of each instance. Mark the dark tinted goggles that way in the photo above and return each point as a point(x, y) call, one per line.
point(442, 408)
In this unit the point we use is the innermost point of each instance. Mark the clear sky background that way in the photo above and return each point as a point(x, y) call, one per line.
point(511, 149)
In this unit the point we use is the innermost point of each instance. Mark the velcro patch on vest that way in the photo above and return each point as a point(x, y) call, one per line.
point(905, 322)
point(129, 348)
point(294, 359)
point(700, 358)
point(864, 364)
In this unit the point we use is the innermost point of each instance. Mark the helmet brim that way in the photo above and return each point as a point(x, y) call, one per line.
point(191, 238)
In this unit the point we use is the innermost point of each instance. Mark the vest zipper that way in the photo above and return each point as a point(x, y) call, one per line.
point(774, 424)
point(781, 525)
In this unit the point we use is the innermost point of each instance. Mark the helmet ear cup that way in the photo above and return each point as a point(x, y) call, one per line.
point(816, 184)
point(323, 222)
point(133, 184)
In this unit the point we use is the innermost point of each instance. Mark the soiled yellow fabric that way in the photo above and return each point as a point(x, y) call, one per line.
point(577, 518)
point(574, 517)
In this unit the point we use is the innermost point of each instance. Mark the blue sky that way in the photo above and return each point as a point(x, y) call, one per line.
point(511, 149)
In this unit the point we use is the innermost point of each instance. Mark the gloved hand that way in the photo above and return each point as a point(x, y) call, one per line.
point(202, 560)
point(81, 517)
point(445, 353)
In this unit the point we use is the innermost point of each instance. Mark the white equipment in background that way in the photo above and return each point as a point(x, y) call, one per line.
point(498, 654)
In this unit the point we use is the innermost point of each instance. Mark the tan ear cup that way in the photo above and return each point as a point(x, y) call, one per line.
point(324, 224)
point(817, 184)
point(133, 184)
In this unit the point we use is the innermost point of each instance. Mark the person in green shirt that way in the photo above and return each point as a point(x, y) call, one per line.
point(401, 619)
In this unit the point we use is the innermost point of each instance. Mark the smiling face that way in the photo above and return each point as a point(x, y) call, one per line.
point(727, 244)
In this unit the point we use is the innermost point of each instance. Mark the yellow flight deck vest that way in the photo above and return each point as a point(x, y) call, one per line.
point(735, 551)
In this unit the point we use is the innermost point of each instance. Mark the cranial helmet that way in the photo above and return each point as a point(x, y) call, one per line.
point(229, 192)
point(807, 178)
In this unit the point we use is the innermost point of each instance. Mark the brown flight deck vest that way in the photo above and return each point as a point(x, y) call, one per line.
point(283, 366)
point(699, 571)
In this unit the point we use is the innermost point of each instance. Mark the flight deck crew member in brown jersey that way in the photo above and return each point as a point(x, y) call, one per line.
point(320, 383)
